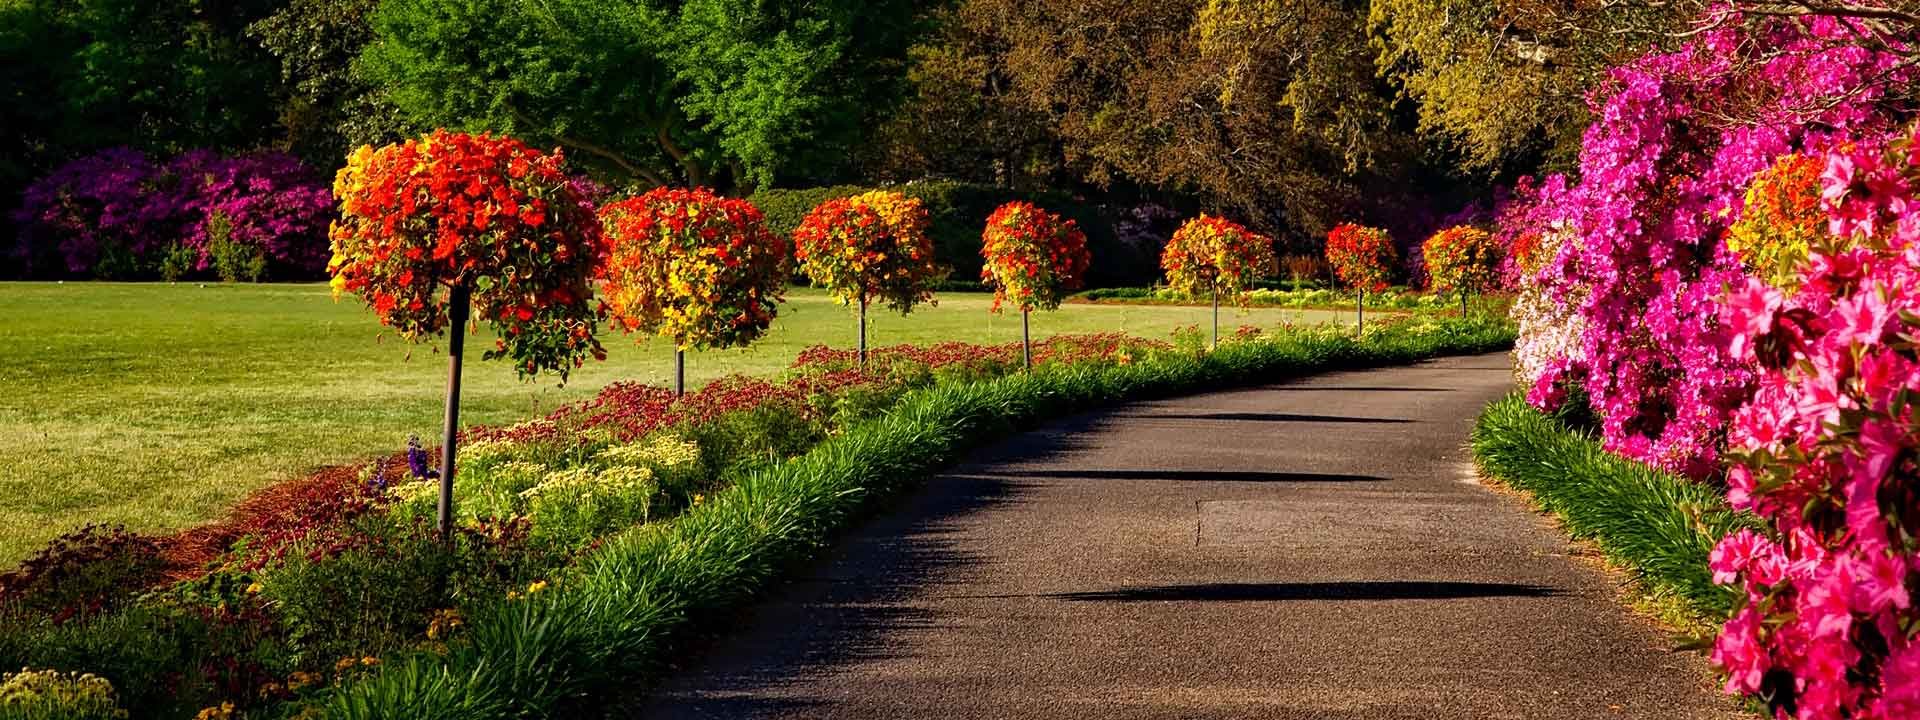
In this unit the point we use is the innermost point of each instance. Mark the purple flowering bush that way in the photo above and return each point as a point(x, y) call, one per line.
point(119, 214)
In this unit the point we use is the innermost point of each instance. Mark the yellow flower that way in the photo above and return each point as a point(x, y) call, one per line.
point(369, 661)
point(344, 664)
point(300, 679)
point(536, 586)
point(698, 498)
point(219, 712)
point(255, 589)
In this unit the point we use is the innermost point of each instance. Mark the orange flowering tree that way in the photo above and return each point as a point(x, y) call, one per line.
point(869, 247)
point(1364, 258)
point(1215, 255)
point(450, 222)
point(1464, 260)
point(1033, 257)
point(692, 267)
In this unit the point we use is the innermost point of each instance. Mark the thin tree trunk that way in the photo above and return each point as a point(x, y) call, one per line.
point(1214, 293)
point(1360, 312)
point(457, 302)
point(679, 372)
point(863, 332)
point(1026, 342)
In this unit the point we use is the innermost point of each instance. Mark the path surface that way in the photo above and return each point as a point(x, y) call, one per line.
point(1314, 549)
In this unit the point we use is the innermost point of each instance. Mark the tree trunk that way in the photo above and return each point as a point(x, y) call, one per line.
point(679, 372)
point(1026, 342)
point(1360, 312)
point(1214, 292)
point(863, 332)
point(457, 302)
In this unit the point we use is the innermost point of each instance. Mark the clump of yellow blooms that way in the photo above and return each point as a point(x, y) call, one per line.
point(50, 693)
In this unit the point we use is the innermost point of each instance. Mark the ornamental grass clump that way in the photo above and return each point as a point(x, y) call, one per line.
point(1363, 258)
point(692, 267)
point(1033, 258)
point(868, 247)
point(1216, 256)
point(433, 226)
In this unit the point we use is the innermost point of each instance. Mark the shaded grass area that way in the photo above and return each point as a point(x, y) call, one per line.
point(1658, 526)
point(610, 622)
point(160, 405)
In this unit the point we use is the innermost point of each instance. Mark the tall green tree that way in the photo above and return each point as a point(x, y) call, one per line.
point(163, 75)
point(328, 109)
point(1503, 82)
point(727, 93)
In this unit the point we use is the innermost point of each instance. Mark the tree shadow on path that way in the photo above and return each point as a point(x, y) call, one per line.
point(1283, 592)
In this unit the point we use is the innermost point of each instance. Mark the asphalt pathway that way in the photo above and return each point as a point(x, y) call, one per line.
point(1309, 549)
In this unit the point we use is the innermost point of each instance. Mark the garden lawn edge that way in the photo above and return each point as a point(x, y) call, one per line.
point(1656, 526)
point(607, 625)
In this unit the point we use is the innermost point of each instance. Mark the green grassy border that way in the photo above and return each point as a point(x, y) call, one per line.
point(606, 626)
point(1655, 525)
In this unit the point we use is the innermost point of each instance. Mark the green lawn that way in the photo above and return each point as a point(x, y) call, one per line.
point(159, 405)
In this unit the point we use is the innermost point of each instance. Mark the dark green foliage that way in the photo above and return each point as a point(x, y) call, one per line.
point(959, 213)
point(608, 623)
point(329, 109)
point(722, 93)
point(1658, 526)
point(166, 76)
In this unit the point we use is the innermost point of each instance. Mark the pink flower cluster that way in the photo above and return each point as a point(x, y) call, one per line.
point(1661, 180)
point(1826, 450)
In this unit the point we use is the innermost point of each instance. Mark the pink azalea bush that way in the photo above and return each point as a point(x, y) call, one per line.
point(1825, 450)
point(1661, 181)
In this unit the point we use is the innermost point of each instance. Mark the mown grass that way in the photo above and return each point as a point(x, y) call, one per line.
point(159, 405)
point(1655, 525)
point(604, 626)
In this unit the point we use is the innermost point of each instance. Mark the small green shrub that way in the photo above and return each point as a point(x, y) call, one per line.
point(232, 261)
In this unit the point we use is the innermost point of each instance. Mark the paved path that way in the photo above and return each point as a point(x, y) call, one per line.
point(1314, 549)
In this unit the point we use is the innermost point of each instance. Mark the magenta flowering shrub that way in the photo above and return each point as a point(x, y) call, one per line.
point(97, 205)
point(116, 213)
point(1826, 450)
point(1661, 180)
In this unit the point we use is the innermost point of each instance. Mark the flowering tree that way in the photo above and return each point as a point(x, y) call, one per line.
point(429, 227)
point(869, 247)
point(1463, 259)
point(1825, 450)
point(1033, 257)
point(692, 267)
point(1364, 258)
point(1215, 255)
